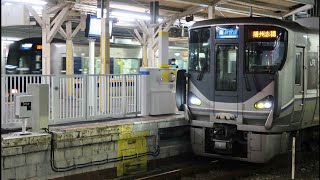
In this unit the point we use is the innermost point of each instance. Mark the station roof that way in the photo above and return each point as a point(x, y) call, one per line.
point(198, 8)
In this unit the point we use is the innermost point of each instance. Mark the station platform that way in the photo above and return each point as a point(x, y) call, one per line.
point(94, 150)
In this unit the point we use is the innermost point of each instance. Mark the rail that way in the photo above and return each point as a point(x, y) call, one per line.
point(74, 98)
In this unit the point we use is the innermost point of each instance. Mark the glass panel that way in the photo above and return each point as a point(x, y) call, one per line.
point(199, 49)
point(226, 68)
point(298, 68)
point(265, 49)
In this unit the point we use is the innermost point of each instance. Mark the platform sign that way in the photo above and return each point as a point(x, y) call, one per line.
point(227, 32)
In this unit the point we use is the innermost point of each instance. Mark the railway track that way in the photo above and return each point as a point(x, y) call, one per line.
point(211, 168)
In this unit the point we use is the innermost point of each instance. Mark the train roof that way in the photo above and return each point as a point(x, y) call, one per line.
point(38, 40)
point(256, 21)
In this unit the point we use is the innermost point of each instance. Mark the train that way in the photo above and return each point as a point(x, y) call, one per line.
point(25, 57)
point(252, 84)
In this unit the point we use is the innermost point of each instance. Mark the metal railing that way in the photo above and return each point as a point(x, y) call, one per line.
point(75, 98)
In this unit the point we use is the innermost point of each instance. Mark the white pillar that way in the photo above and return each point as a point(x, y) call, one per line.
point(3, 63)
point(92, 88)
point(45, 44)
point(211, 12)
point(91, 55)
point(145, 51)
point(163, 45)
point(151, 52)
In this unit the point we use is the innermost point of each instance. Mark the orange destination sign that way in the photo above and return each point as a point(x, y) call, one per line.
point(264, 34)
point(39, 46)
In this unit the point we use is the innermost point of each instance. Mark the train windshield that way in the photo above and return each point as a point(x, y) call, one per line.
point(265, 49)
point(199, 49)
point(24, 62)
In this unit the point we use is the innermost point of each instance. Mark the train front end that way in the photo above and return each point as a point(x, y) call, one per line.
point(231, 93)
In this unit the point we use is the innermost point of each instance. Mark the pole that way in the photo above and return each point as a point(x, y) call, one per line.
point(91, 55)
point(45, 44)
point(163, 45)
point(69, 57)
point(91, 71)
point(293, 157)
point(211, 12)
point(145, 51)
point(2, 58)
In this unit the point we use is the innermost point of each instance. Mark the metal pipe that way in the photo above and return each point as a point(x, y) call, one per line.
point(293, 157)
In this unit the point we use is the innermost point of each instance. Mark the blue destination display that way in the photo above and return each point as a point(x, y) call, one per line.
point(26, 46)
point(227, 33)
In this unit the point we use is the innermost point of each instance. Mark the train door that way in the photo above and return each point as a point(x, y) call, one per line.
point(77, 65)
point(299, 88)
point(226, 81)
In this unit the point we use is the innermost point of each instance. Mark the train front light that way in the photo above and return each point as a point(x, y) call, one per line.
point(14, 91)
point(264, 103)
point(194, 100)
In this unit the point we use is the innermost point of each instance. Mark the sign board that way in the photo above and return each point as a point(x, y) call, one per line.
point(14, 15)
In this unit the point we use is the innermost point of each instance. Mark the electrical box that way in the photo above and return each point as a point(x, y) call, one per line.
point(40, 116)
point(23, 106)
point(159, 91)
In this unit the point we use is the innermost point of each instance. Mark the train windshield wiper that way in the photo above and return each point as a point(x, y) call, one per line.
point(200, 74)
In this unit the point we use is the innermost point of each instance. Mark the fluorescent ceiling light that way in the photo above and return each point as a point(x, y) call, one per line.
point(130, 15)
point(37, 7)
point(35, 2)
point(7, 42)
point(7, 4)
point(99, 13)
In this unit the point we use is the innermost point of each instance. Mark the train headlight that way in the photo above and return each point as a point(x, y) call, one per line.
point(14, 91)
point(194, 100)
point(264, 103)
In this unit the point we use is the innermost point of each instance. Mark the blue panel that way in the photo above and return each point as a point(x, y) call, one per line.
point(227, 33)
point(77, 65)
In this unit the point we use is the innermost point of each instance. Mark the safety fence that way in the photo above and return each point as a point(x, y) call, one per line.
point(74, 98)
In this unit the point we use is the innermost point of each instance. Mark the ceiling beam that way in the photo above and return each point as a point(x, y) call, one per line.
point(192, 2)
point(300, 9)
point(260, 5)
point(143, 5)
point(311, 2)
point(57, 7)
point(246, 11)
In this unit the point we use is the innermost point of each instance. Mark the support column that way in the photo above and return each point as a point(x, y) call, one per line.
point(163, 45)
point(45, 44)
point(105, 38)
point(91, 55)
point(211, 12)
point(151, 53)
point(3, 63)
point(69, 52)
point(154, 12)
point(92, 84)
point(145, 51)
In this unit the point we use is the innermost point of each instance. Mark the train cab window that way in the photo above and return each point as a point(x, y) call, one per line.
point(226, 68)
point(199, 49)
point(265, 49)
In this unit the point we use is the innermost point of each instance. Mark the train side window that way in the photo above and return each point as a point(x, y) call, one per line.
point(298, 68)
